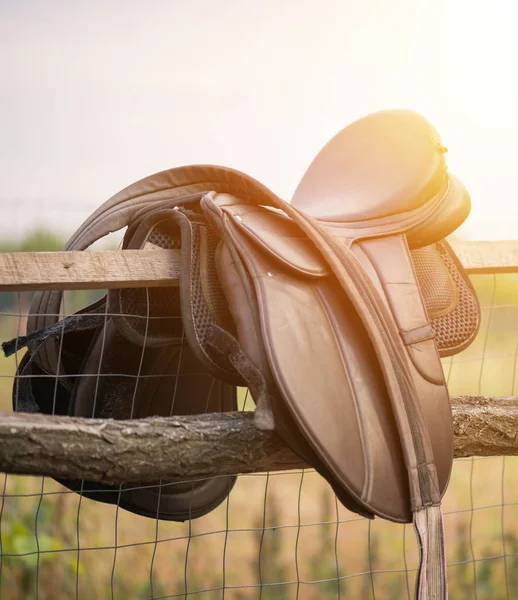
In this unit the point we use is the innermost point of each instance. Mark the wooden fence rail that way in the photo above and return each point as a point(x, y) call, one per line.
point(196, 446)
point(23, 271)
point(201, 446)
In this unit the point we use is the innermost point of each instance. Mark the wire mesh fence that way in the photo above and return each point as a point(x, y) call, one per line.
point(276, 535)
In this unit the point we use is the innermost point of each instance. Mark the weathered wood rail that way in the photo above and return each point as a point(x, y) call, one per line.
point(24, 271)
point(197, 446)
point(201, 446)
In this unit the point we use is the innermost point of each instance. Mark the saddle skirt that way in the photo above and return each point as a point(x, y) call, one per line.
point(333, 310)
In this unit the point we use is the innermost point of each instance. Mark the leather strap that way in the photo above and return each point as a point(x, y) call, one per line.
point(431, 581)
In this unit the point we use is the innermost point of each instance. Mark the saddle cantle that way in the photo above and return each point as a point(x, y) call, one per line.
point(333, 310)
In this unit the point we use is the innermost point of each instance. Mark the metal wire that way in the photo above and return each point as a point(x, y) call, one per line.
point(274, 536)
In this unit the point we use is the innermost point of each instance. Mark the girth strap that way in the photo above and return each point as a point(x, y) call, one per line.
point(431, 581)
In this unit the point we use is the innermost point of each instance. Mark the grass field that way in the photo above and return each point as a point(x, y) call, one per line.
point(285, 530)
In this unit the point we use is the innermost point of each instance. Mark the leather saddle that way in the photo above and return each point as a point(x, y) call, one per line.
point(333, 310)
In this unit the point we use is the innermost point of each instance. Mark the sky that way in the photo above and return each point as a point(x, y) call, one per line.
point(96, 95)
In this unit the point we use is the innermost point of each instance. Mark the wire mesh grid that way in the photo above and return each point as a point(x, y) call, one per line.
point(276, 535)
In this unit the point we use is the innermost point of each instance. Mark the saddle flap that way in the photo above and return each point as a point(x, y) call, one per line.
point(275, 235)
point(324, 367)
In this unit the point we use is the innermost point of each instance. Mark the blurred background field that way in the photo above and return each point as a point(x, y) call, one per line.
point(96, 95)
point(278, 536)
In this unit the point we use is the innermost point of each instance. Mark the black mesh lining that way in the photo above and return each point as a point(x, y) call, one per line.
point(164, 303)
point(211, 287)
point(455, 328)
point(436, 283)
point(208, 293)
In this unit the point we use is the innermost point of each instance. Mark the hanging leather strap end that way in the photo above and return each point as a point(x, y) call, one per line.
point(431, 582)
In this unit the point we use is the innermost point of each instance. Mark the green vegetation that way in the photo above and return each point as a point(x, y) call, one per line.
point(32, 543)
point(38, 240)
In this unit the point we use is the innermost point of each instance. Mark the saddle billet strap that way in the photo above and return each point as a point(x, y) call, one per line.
point(81, 321)
point(431, 581)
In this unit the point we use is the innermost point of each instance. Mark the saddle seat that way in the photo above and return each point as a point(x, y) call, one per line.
point(382, 175)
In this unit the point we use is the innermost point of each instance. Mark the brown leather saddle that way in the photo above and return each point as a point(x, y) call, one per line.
point(333, 310)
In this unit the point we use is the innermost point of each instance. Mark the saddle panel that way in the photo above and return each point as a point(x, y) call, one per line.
point(449, 299)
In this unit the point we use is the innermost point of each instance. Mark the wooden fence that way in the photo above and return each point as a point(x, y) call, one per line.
point(194, 446)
